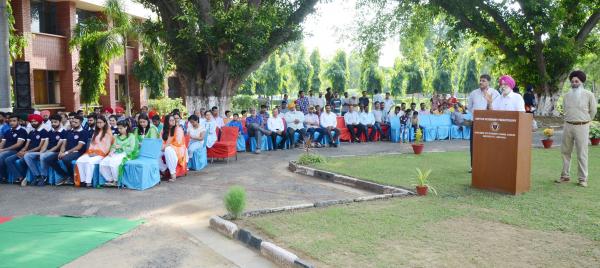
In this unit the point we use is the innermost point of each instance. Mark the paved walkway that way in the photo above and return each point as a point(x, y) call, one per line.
point(176, 232)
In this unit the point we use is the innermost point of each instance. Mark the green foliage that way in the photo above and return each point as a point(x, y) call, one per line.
point(595, 130)
point(337, 72)
point(235, 201)
point(415, 79)
point(270, 76)
point(152, 69)
point(97, 46)
point(315, 61)
point(308, 159)
point(372, 79)
point(166, 105)
point(244, 102)
point(302, 70)
point(470, 79)
point(397, 79)
point(247, 87)
point(16, 42)
point(441, 82)
point(418, 136)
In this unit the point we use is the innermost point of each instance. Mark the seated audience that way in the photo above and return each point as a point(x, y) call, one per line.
point(75, 142)
point(277, 128)
point(100, 143)
point(328, 124)
point(174, 150)
point(124, 148)
point(353, 124)
point(197, 133)
point(38, 163)
point(367, 120)
point(295, 123)
point(311, 120)
point(34, 143)
point(156, 122)
point(145, 129)
point(254, 125)
point(210, 126)
point(112, 122)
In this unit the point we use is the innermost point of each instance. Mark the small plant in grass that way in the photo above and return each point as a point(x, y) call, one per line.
point(308, 157)
point(548, 133)
point(595, 132)
point(418, 145)
point(235, 201)
point(423, 182)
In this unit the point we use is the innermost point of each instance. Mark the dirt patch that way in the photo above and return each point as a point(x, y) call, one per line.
point(549, 121)
point(466, 242)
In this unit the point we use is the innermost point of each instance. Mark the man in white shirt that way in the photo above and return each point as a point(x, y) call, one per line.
point(312, 99)
point(295, 123)
point(379, 118)
point(477, 101)
point(311, 120)
point(217, 118)
point(367, 120)
point(377, 97)
point(277, 128)
point(321, 100)
point(329, 124)
point(353, 124)
point(388, 103)
point(508, 101)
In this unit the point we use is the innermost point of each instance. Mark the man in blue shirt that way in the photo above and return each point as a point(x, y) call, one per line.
point(73, 147)
point(90, 125)
point(11, 143)
point(38, 163)
point(254, 125)
point(35, 141)
point(4, 127)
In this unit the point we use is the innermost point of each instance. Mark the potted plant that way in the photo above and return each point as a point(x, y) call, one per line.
point(548, 132)
point(418, 145)
point(423, 183)
point(595, 133)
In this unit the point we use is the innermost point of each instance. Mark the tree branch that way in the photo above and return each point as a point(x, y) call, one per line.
point(588, 26)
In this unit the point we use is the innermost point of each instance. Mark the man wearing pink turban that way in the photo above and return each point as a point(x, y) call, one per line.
point(46, 124)
point(508, 100)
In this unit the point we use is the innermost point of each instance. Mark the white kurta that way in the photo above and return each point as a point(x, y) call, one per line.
point(109, 166)
point(85, 165)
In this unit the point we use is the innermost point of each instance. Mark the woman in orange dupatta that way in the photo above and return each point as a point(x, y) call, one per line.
point(98, 149)
point(174, 149)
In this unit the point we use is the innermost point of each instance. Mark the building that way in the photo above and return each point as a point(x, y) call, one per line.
point(48, 27)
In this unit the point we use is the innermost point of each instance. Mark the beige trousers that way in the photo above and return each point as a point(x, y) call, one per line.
point(575, 136)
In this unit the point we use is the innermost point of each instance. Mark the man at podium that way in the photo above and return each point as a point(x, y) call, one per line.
point(508, 100)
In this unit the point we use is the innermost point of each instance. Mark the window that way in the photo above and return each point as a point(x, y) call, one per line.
point(43, 17)
point(82, 15)
point(46, 87)
point(120, 87)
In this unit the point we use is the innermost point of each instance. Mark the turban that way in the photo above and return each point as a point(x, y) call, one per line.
point(45, 112)
point(36, 112)
point(35, 117)
point(119, 109)
point(579, 74)
point(151, 114)
point(108, 110)
point(291, 105)
point(509, 81)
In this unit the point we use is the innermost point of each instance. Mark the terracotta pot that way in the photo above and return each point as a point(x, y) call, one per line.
point(422, 190)
point(418, 148)
point(547, 143)
point(595, 141)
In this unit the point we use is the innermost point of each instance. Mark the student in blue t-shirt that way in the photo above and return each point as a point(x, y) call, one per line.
point(38, 163)
point(11, 143)
point(35, 141)
point(4, 127)
point(72, 148)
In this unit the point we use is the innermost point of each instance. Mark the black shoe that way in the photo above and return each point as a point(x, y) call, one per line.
point(3, 181)
point(42, 181)
point(335, 145)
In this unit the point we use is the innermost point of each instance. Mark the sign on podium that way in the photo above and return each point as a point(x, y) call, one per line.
point(502, 151)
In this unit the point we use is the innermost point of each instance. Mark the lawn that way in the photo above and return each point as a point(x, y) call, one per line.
point(552, 225)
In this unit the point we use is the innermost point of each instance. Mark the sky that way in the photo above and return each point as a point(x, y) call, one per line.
point(324, 30)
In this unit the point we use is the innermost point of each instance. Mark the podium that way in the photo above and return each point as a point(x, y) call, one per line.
point(502, 151)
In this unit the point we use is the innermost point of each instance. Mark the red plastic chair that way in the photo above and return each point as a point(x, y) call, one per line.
point(344, 132)
point(226, 147)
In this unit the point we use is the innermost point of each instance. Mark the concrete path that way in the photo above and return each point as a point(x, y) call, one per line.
point(175, 232)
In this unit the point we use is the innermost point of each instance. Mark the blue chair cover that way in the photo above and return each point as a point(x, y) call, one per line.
point(21, 167)
point(467, 130)
point(143, 172)
point(264, 144)
point(288, 143)
point(429, 130)
point(326, 139)
point(199, 159)
point(443, 123)
point(395, 129)
point(455, 133)
point(241, 143)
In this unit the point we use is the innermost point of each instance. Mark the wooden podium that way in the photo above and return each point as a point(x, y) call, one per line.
point(502, 151)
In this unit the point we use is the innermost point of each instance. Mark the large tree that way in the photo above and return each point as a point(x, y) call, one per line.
point(217, 44)
point(538, 41)
point(337, 72)
point(315, 61)
point(302, 70)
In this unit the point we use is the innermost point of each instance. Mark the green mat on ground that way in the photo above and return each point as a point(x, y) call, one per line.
point(43, 241)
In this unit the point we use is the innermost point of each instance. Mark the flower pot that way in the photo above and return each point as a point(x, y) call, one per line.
point(595, 141)
point(422, 190)
point(418, 148)
point(547, 143)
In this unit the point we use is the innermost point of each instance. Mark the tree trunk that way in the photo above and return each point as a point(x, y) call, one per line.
point(4, 59)
point(214, 87)
point(548, 100)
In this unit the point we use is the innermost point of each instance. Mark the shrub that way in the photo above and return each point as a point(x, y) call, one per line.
point(595, 130)
point(308, 159)
point(166, 105)
point(418, 136)
point(235, 201)
point(548, 132)
point(244, 102)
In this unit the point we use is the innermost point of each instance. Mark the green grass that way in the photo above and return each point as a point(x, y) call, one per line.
point(364, 231)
